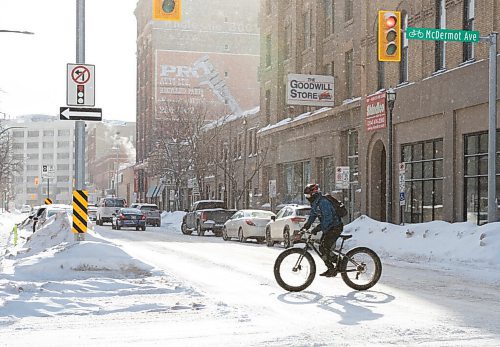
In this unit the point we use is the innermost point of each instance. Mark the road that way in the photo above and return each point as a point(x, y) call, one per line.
point(410, 305)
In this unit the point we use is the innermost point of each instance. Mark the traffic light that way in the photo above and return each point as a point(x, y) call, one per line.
point(80, 94)
point(389, 36)
point(167, 10)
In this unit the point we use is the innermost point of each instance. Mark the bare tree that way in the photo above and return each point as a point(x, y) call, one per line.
point(9, 164)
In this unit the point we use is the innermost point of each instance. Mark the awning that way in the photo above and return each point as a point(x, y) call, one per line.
point(158, 191)
point(150, 192)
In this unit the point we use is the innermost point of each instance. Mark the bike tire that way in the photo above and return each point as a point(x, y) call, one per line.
point(292, 252)
point(347, 264)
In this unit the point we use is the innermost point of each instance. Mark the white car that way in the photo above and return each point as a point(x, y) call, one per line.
point(247, 224)
point(49, 211)
point(287, 223)
point(107, 207)
point(92, 211)
point(25, 209)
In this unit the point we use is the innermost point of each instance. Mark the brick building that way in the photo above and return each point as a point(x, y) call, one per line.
point(440, 117)
point(195, 61)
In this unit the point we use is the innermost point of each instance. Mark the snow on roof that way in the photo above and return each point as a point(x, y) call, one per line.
point(295, 119)
point(229, 118)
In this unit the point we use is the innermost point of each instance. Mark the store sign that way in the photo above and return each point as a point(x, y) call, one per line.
point(376, 115)
point(310, 90)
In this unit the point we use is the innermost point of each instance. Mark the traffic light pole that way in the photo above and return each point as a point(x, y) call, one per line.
point(492, 129)
point(80, 125)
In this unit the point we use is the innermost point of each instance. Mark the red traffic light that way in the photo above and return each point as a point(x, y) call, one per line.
point(391, 22)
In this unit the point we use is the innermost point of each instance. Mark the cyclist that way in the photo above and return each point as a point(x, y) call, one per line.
point(330, 224)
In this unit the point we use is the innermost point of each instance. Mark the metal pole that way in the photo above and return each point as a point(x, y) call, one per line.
point(492, 203)
point(48, 188)
point(80, 125)
point(389, 169)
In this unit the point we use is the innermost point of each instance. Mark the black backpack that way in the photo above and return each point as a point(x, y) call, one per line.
point(337, 205)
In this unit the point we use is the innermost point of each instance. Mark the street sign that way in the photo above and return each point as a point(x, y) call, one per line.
point(402, 199)
point(48, 171)
point(342, 177)
point(80, 86)
point(432, 34)
point(74, 113)
point(48, 201)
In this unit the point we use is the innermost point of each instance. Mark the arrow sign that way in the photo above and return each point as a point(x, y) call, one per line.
point(74, 113)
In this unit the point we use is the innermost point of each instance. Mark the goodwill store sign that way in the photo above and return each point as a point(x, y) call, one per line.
point(310, 90)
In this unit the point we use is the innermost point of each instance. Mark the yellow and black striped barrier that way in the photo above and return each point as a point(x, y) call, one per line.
point(48, 201)
point(80, 204)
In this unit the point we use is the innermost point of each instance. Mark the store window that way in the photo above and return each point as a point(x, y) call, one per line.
point(297, 176)
point(423, 181)
point(476, 177)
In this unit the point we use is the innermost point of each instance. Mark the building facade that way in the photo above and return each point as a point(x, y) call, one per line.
point(44, 141)
point(194, 62)
point(440, 116)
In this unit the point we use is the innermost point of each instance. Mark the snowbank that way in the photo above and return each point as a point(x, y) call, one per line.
point(436, 241)
point(172, 219)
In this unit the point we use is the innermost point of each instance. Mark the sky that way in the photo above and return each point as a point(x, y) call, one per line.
point(33, 67)
point(118, 288)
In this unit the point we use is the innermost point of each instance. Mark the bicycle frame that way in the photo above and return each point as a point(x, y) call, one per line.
point(309, 244)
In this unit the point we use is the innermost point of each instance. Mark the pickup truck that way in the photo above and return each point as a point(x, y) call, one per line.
point(206, 215)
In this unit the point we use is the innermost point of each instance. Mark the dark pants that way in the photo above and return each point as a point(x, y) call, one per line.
point(327, 243)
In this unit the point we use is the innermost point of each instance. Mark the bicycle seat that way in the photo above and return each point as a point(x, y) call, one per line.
point(345, 237)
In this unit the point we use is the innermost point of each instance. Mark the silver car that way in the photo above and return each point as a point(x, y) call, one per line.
point(247, 224)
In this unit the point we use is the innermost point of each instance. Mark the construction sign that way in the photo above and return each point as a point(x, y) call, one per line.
point(48, 201)
point(80, 205)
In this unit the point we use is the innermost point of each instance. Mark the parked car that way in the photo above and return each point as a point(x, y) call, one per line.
point(129, 217)
point(206, 215)
point(287, 223)
point(92, 211)
point(25, 209)
point(247, 224)
point(106, 207)
point(152, 212)
point(48, 211)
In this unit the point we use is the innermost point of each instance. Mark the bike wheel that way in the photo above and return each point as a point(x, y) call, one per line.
point(294, 269)
point(361, 268)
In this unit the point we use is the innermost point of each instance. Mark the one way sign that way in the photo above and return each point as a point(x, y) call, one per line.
point(79, 113)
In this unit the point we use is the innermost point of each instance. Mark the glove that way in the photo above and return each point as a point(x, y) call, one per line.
point(306, 226)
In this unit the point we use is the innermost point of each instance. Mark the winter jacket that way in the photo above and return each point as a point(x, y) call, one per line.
point(323, 209)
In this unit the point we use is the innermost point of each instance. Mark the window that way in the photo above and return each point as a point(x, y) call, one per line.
point(18, 146)
point(62, 144)
point(403, 65)
point(48, 155)
point(31, 167)
point(329, 17)
point(380, 75)
point(48, 133)
point(32, 145)
point(308, 28)
point(296, 177)
point(48, 145)
point(348, 73)
point(62, 179)
point(439, 46)
point(468, 47)
point(348, 10)
point(268, 50)
point(33, 133)
point(423, 181)
point(354, 199)
point(62, 166)
point(62, 155)
point(18, 133)
point(63, 132)
point(268, 106)
point(288, 39)
point(32, 156)
point(476, 177)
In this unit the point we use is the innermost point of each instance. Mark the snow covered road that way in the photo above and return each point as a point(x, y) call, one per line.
point(410, 305)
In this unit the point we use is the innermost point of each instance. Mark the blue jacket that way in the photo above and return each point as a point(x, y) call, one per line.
point(323, 209)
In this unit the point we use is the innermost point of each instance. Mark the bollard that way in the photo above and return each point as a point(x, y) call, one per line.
point(14, 230)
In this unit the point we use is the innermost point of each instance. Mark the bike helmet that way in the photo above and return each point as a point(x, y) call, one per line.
point(311, 191)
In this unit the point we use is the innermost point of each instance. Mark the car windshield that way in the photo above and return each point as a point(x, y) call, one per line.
point(302, 211)
point(206, 205)
point(149, 208)
point(261, 214)
point(53, 212)
point(130, 211)
point(114, 203)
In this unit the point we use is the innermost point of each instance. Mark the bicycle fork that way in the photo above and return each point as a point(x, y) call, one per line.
point(297, 266)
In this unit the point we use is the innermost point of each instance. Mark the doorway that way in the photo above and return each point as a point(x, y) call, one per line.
point(377, 182)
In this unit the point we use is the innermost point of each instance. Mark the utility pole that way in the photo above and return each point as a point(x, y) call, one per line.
point(80, 125)
point(492, 129)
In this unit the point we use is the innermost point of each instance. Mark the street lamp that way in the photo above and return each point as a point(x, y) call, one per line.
point(16, 32)
point(391, 99)
point(117, 148)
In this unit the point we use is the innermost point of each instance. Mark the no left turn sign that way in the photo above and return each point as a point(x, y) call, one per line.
point(80, 74)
